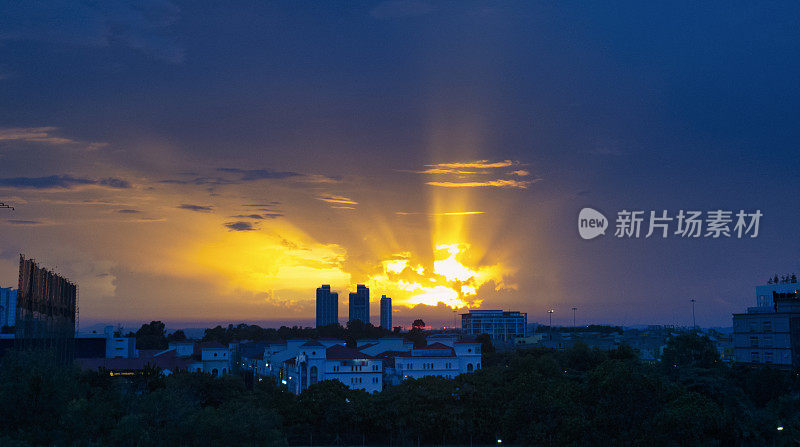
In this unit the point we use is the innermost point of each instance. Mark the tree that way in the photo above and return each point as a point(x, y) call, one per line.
point(176, 336)
point(418, 323)
point(486, 343)
point(152, 336)
point(794, 278)
point(689, 350)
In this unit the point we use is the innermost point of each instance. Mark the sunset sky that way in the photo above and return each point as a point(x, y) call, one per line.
point(197, 161)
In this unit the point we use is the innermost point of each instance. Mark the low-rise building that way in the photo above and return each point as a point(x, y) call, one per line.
point(301, 363)
point(770, 332)
point(314, 363)
point(190, 355)
point(8, 306)
point(501, 326)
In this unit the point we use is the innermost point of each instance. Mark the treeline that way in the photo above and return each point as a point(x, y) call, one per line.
point(577, 397)
point(153, 335)
point(603, 329)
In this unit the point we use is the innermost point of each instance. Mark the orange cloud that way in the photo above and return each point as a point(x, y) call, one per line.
point(499, 183)
point(337, 199)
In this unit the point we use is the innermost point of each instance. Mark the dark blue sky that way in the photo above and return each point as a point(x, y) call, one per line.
point(154, 106)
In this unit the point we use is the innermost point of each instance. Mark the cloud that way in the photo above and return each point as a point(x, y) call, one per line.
point(454, 213)
point(259, 216)
point(239, 226)
point(198, 208)
point(499, 183)
point(445, 171)
point(128, 211)
point(395, 9)
point(259, 174)
point(343, 207)
point(33, 134)
point(337, 199)
point(478, 170)
point(263, 205)
point(61, 182)
point(142, 26)
point(25, 222)
point(478, 164)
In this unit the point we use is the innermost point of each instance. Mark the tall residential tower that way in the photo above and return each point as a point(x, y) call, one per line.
point(386, 312)
point(359, 304)
point(327, 306)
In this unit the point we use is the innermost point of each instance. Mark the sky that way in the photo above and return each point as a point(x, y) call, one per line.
point(205, 162)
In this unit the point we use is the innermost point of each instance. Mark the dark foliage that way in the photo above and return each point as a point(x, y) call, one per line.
point(533, 397)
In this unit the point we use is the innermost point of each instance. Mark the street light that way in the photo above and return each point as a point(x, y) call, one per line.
point(551, 323)
point(573, 316)
point(694, 324)
point(780, 428)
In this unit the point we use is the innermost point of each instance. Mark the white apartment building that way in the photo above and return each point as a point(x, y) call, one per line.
point(314, 362)
point(301, 363)
point(444, 356)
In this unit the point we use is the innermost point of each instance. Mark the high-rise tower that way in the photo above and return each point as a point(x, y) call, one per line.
point(327, 306)
point(359, 304)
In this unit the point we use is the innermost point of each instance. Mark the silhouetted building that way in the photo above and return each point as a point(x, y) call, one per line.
point(359, 304)
point(8, 306)
point(770, 332)
point(327, 306)
point(386, 312)
point(47, 307)
point(500, 325)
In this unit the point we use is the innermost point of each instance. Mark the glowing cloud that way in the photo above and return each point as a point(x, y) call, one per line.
point(337, 199)
point(499, 183)
point(479, 164)
point(449, 281)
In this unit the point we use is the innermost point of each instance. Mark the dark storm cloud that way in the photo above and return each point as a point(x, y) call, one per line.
point(128, 211)
point(259, 174)
point(61, 182)
point(239, 226)
point(142, 26)
point(198, 208)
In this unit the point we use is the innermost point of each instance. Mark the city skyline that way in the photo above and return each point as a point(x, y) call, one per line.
point(189, 164)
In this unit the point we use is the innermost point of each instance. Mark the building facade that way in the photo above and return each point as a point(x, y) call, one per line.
point(8, 306)
point(327, 306)
point(315, 362)
point(386, 312)
point(299, 364)
point(502, 326)
point(770, 333)
point(359, 304)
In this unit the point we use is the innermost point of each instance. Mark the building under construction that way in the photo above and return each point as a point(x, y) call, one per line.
point(47, 306)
